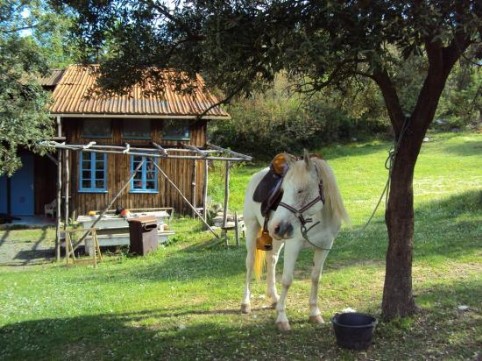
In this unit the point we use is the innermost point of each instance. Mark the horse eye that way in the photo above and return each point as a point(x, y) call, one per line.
point(300, 191)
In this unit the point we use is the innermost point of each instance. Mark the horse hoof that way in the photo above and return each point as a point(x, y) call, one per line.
point(283, 326)
point(245, 308)
point(317, 320)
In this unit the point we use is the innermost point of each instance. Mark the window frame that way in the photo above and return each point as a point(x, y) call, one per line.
point(185, 122)
point(91, 120)
point(93, 170)
point(140, 137)
point(144, 171)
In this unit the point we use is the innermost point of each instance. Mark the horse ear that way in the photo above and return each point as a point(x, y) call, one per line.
point(290, 159)
point(307, 159)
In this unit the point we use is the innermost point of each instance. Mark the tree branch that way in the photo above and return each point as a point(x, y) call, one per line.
point(225, 100)
point(16, 30)
point(395, 112)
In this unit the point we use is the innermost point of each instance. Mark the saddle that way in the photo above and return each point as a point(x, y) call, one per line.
point(269, 194)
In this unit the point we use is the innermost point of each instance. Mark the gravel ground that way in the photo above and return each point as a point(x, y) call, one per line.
point(22, 245)
point(22, 254)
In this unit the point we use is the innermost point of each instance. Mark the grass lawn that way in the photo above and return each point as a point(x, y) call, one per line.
point(183, 301)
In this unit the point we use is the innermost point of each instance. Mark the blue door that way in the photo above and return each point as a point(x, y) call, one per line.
point(21, 188)
point(3, 194)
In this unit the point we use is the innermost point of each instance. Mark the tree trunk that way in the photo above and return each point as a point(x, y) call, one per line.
point(398, 298)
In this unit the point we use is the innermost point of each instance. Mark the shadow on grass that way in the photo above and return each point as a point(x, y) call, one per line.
point(356, 149)
point(450, 227)
point(162, 335)
point(470, 147)
point(193, 334)
point(439, 331)
point(448, 296)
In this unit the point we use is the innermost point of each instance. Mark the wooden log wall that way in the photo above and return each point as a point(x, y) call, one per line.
point(180, 171)
point(45, 180)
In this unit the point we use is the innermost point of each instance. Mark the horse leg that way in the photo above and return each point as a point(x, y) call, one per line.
point(292, 249)
point(272, 260)
point(252, 228)
point(318, 262)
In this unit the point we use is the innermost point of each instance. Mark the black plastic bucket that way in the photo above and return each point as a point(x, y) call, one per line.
point(354, 330)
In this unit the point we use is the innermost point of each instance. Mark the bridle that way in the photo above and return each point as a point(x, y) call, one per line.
point(304, 221)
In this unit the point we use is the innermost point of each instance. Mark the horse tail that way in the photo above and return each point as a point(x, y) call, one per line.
point(259, 262)
point(334, 201)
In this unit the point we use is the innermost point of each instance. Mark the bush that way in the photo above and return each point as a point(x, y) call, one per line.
point(262, 129)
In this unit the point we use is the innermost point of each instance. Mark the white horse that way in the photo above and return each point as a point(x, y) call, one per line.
point(310, 214)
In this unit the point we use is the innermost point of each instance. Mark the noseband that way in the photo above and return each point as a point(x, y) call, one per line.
point(299, 213)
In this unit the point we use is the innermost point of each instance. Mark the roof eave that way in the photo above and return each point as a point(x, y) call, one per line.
point(139, 116)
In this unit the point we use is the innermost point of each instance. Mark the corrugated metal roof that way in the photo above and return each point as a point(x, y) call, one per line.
point(73, 96)
point(52, 78)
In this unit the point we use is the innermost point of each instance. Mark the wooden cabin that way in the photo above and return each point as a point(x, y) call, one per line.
point(102, 141)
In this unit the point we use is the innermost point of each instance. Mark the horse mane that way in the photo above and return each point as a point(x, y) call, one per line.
point(333, 201)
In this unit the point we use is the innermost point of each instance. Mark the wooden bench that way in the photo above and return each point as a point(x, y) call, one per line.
point(113, 230)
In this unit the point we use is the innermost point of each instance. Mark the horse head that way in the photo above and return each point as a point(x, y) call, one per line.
point(302, 198)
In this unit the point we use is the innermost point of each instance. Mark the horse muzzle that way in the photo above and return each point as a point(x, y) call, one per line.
point(282, 230)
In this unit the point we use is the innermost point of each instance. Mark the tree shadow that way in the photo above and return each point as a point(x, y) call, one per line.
point(468, 148)
point(180, 333)
point(356, 149)
point(165, 334)
point(451, 294)
point(440, 330)
point(448, 227)
point(5, 235)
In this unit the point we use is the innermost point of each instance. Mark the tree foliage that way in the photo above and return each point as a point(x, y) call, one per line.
point(30, 43)
point(461, 102)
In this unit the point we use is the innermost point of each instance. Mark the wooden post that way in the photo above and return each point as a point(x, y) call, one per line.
point(226, 193)
point(67, 187)
point(236, 230)
point(205, 190)
point(193, 185)
point(59, 200)
point(59, 192)
point(69, 247)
